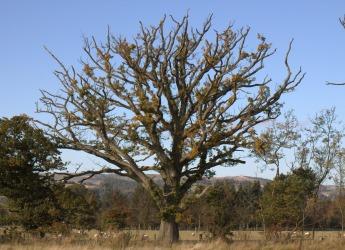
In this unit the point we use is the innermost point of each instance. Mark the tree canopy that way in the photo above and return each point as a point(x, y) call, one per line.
point(170, 101)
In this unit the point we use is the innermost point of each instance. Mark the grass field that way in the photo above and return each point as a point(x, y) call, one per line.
point(308, 245)
point(246, 235)
point(243, 240)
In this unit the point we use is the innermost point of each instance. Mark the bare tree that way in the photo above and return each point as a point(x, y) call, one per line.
point(321, 145)
point(318, 150)
point(271, 145)
point(172, 102)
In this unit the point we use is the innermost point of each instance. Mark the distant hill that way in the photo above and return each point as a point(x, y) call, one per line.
point(127, 185)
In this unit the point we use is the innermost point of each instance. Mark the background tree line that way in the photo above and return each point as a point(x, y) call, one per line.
point(37, 201)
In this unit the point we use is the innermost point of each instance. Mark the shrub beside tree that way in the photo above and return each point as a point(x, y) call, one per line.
point(35, 200)
point(284, 200)
point(26, 159)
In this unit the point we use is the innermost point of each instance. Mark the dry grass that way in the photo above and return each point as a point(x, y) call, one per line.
point(219, 245)
point(242, 235)
point(244, 240)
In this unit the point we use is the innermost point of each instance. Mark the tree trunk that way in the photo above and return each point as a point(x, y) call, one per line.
point(168, 231)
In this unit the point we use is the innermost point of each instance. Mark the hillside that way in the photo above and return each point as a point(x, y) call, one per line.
point(127, 185)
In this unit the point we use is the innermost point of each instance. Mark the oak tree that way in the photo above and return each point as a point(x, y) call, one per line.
point(169, 101)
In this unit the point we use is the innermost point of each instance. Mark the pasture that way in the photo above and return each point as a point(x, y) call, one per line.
point(145, 240)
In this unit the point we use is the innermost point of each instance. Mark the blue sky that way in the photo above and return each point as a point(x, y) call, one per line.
point(27, 26)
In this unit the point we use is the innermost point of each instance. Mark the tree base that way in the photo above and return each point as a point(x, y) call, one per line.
point(168, 232)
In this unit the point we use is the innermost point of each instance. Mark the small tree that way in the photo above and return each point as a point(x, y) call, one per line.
point(221, 199)
point(316, 146)
point(143, 209)
point(78, 206)
point(248, 204)
point(115, 210)
point(320, 145)
point(26, 157)
point(285, 199)
point(171, 102)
